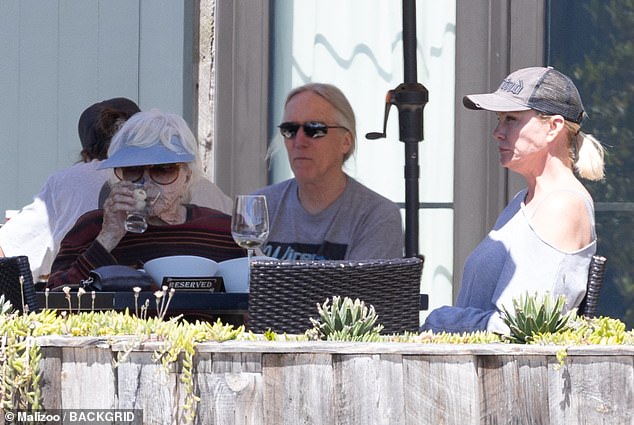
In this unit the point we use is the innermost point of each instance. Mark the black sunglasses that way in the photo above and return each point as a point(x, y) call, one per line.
point(162, 174)
point(314, 129)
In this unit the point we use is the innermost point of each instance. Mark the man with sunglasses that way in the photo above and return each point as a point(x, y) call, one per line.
point(323, 213)
point(158, 150)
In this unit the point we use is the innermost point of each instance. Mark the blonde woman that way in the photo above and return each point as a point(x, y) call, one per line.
point(544, 239)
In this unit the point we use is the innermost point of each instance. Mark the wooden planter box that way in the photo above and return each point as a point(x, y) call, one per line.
point(348, 383)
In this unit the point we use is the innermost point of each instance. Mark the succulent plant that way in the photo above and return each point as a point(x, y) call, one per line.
point(5, 306)
point(429, 337)
point(583, 331)
point(534, 315)
point(345, 320)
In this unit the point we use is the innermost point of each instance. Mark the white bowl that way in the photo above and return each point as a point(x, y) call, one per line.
point(180, 266)
point(235, 273)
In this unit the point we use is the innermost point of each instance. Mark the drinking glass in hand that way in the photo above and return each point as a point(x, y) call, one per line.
point(135, 221)
point(250, 222)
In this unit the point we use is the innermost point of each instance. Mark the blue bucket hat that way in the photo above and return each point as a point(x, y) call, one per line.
point(132, 156)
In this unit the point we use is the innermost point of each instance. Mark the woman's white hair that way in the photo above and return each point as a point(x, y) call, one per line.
point(149, 128)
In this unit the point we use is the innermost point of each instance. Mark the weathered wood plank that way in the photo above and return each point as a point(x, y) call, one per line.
point(144, 384)
point(266, 383)
point(592, 390)
point(228, 395)
point(50, 373)
point(369, 389)
point(512, 390)
point(441, 390)
point(235, 362)
point(298, 389)
point(87, 379)
point(123, 343)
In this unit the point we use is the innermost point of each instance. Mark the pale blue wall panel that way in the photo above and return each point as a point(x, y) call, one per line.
point(98, 47)
point(119, 48)
point(161, 58)
point(38, 76)
point(58, 57)
point(78, 72)
point(9, 102)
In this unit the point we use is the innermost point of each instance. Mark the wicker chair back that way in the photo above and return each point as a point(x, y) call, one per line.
point(11, 268)
point(283, 295)
point(590, 303)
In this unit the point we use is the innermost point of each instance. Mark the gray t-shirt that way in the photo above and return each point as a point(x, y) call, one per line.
point(360, 224)
point(511, 261)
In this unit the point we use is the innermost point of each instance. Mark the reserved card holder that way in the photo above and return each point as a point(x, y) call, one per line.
point(204, 284)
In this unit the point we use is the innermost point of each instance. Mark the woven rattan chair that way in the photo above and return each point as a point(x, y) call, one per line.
point(284, 294)
point(596, 272)
point(11, 269)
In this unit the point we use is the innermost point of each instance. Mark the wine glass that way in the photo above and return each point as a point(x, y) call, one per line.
point(250, 222)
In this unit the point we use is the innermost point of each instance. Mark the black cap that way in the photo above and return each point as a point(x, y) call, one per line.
point(88, 134)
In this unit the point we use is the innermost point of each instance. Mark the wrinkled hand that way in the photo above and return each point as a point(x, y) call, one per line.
point(120, 201)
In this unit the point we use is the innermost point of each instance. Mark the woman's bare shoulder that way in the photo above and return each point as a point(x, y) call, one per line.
point(564, 220)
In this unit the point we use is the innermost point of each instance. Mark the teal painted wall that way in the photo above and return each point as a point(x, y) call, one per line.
point(58, 57)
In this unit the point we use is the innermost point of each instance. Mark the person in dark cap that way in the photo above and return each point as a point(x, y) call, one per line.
point(544, 239)
point(36, 231)
point(98, 123)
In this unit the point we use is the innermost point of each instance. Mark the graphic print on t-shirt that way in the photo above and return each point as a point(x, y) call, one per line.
point(302, 251)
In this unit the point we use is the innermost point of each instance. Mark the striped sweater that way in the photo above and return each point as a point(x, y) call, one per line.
point(205, 233)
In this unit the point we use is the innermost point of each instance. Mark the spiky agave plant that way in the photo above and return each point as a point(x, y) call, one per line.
point(533, 315)
point(345, 320)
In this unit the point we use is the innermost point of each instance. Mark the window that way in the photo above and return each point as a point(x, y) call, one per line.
point(591, 40)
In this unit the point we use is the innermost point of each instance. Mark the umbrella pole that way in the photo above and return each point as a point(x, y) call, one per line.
point(410, 98)
point(411, 129)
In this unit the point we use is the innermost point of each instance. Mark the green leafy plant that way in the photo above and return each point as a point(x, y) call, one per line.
point(345, 320)
point(533, 315)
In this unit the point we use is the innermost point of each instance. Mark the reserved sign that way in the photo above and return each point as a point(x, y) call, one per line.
point(207, 284)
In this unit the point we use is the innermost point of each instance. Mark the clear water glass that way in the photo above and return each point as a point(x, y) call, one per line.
point(136, 220)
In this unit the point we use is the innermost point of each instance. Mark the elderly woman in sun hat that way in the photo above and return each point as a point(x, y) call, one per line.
point(544, 239)
point(158, 150)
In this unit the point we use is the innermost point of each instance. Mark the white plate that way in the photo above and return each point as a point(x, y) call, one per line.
point(180, 266)
point(235, 273)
